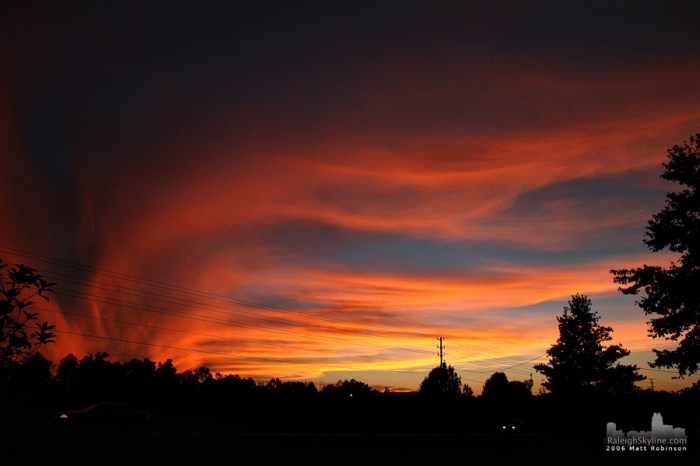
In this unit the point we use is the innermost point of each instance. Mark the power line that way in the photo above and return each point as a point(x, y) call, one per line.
point(183, 315)
point(173, 300)
point(470, 348)
point(199, 293)
point(164, 285)
point(206, 335)
point(194, 350)
point(657, 370)
point(155, 327)
point(220, 353)
point(511, 367)
point(195, 304)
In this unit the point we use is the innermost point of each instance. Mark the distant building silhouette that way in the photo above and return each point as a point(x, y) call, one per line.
point(658, 430)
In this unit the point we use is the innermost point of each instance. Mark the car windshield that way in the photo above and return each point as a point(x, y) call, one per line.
point(108, 408)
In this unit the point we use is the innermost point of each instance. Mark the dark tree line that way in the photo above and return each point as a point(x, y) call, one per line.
point(199, 400)
point(159, 385)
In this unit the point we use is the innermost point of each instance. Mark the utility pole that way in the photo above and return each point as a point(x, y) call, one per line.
point(652, 384)
point(440, 353)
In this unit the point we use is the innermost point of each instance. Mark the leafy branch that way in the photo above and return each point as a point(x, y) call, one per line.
point(19, 284)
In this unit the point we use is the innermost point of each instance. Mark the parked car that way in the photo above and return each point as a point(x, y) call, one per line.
point(105, 415)
point(514, 426)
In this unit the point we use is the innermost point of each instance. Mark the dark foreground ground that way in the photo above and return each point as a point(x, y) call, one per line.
point(74, 447)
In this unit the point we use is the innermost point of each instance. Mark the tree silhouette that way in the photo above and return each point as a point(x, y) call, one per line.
point(579, 363)
point(17, 289)
point(32, 377)
point(68, 372)
point(517, 390)
point(673, 293)
point(442, 381)
point(495, 386)
point(195, 378)
point(347, 388)
point(467, 391)
point(100, 379)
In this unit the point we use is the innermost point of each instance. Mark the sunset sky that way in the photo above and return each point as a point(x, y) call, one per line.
point(316, 192)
